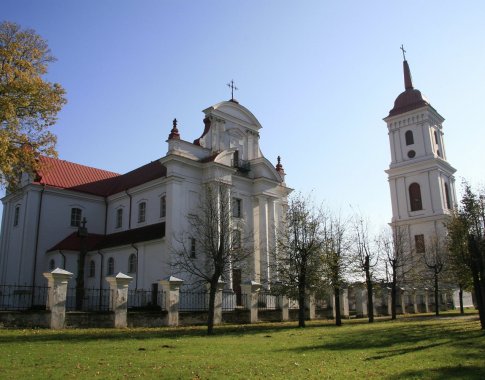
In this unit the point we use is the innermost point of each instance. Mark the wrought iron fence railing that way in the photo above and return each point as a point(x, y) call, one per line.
point(17, 297)
point(140, 299)
point(193, 301)
point(267, 301)
point(92, 299)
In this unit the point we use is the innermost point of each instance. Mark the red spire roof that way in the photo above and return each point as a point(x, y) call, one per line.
point(411, 98)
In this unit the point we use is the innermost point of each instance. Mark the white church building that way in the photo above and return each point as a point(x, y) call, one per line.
point(134, 219)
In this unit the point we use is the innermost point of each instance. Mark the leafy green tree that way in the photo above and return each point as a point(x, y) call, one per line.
point(467, 243)
point(459, 270)
point(28, 104)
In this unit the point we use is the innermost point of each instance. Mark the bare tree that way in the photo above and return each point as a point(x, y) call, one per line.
point(435, 257)
point(365, 257)
point(297, 252)
point(214, 244)
point(398, 255)
point(335, 257)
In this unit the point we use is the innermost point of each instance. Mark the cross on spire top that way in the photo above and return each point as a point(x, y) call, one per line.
point(233, 87)
point(403, 52)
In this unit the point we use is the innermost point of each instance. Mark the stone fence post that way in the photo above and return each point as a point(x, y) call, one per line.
point(171, 288)
point(310, 306)
point(361, 302)
point(118, 286)
point(284, 306)
point(402, 298)
point(218, 302)
point(426, 301)
point(56, 301)
point(414, 296)
point(389, 301)
point(250, 291)
point(344, 303)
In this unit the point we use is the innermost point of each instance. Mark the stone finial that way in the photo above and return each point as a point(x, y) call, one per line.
point(279, 167)
point(174, 133)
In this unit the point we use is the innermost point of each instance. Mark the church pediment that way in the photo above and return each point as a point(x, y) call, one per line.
point(234, 112)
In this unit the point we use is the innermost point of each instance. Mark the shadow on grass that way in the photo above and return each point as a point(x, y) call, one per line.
point(455, 372)
point(415, 336)
point(382, 333)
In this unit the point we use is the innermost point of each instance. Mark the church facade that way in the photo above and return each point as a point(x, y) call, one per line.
point(134, 220)
point(421, 180)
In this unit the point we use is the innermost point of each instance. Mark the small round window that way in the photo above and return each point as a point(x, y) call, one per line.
point(411, 154)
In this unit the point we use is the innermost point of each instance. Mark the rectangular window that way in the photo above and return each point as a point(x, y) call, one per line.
point(142, 208)
point(119, 218)
point(419, 243)
point(192, 248)
point(16, 216)
point(236, 207)
point(163, 206)
point(76, 215)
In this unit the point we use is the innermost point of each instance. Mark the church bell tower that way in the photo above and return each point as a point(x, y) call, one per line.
point(420, 178)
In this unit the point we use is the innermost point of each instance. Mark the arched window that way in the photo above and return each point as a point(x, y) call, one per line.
point(415, 197)
point(132, 263)
point(409, 138)
point(52, 264)
point(111, 266)
point(447, 196)
point(92, 268)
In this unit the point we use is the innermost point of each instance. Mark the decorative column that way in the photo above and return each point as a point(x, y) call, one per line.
point(171, 294)
point(284, 306)
point(56, 301)
point(118, 286)
point(250, 290)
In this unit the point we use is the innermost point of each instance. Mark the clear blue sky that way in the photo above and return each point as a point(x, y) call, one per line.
point(319, 76)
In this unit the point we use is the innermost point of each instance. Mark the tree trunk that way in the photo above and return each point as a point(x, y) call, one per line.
point(302, 286)
point(460, 296)
point(436, 294)
point(301, 304)
point(338, 316)
point(370, 299)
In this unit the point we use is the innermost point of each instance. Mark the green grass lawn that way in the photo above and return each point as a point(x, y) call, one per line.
point(449, 347)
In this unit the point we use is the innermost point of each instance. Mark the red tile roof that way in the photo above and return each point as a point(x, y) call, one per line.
point(95, 241)
point(72, 176)
point(65, 174)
